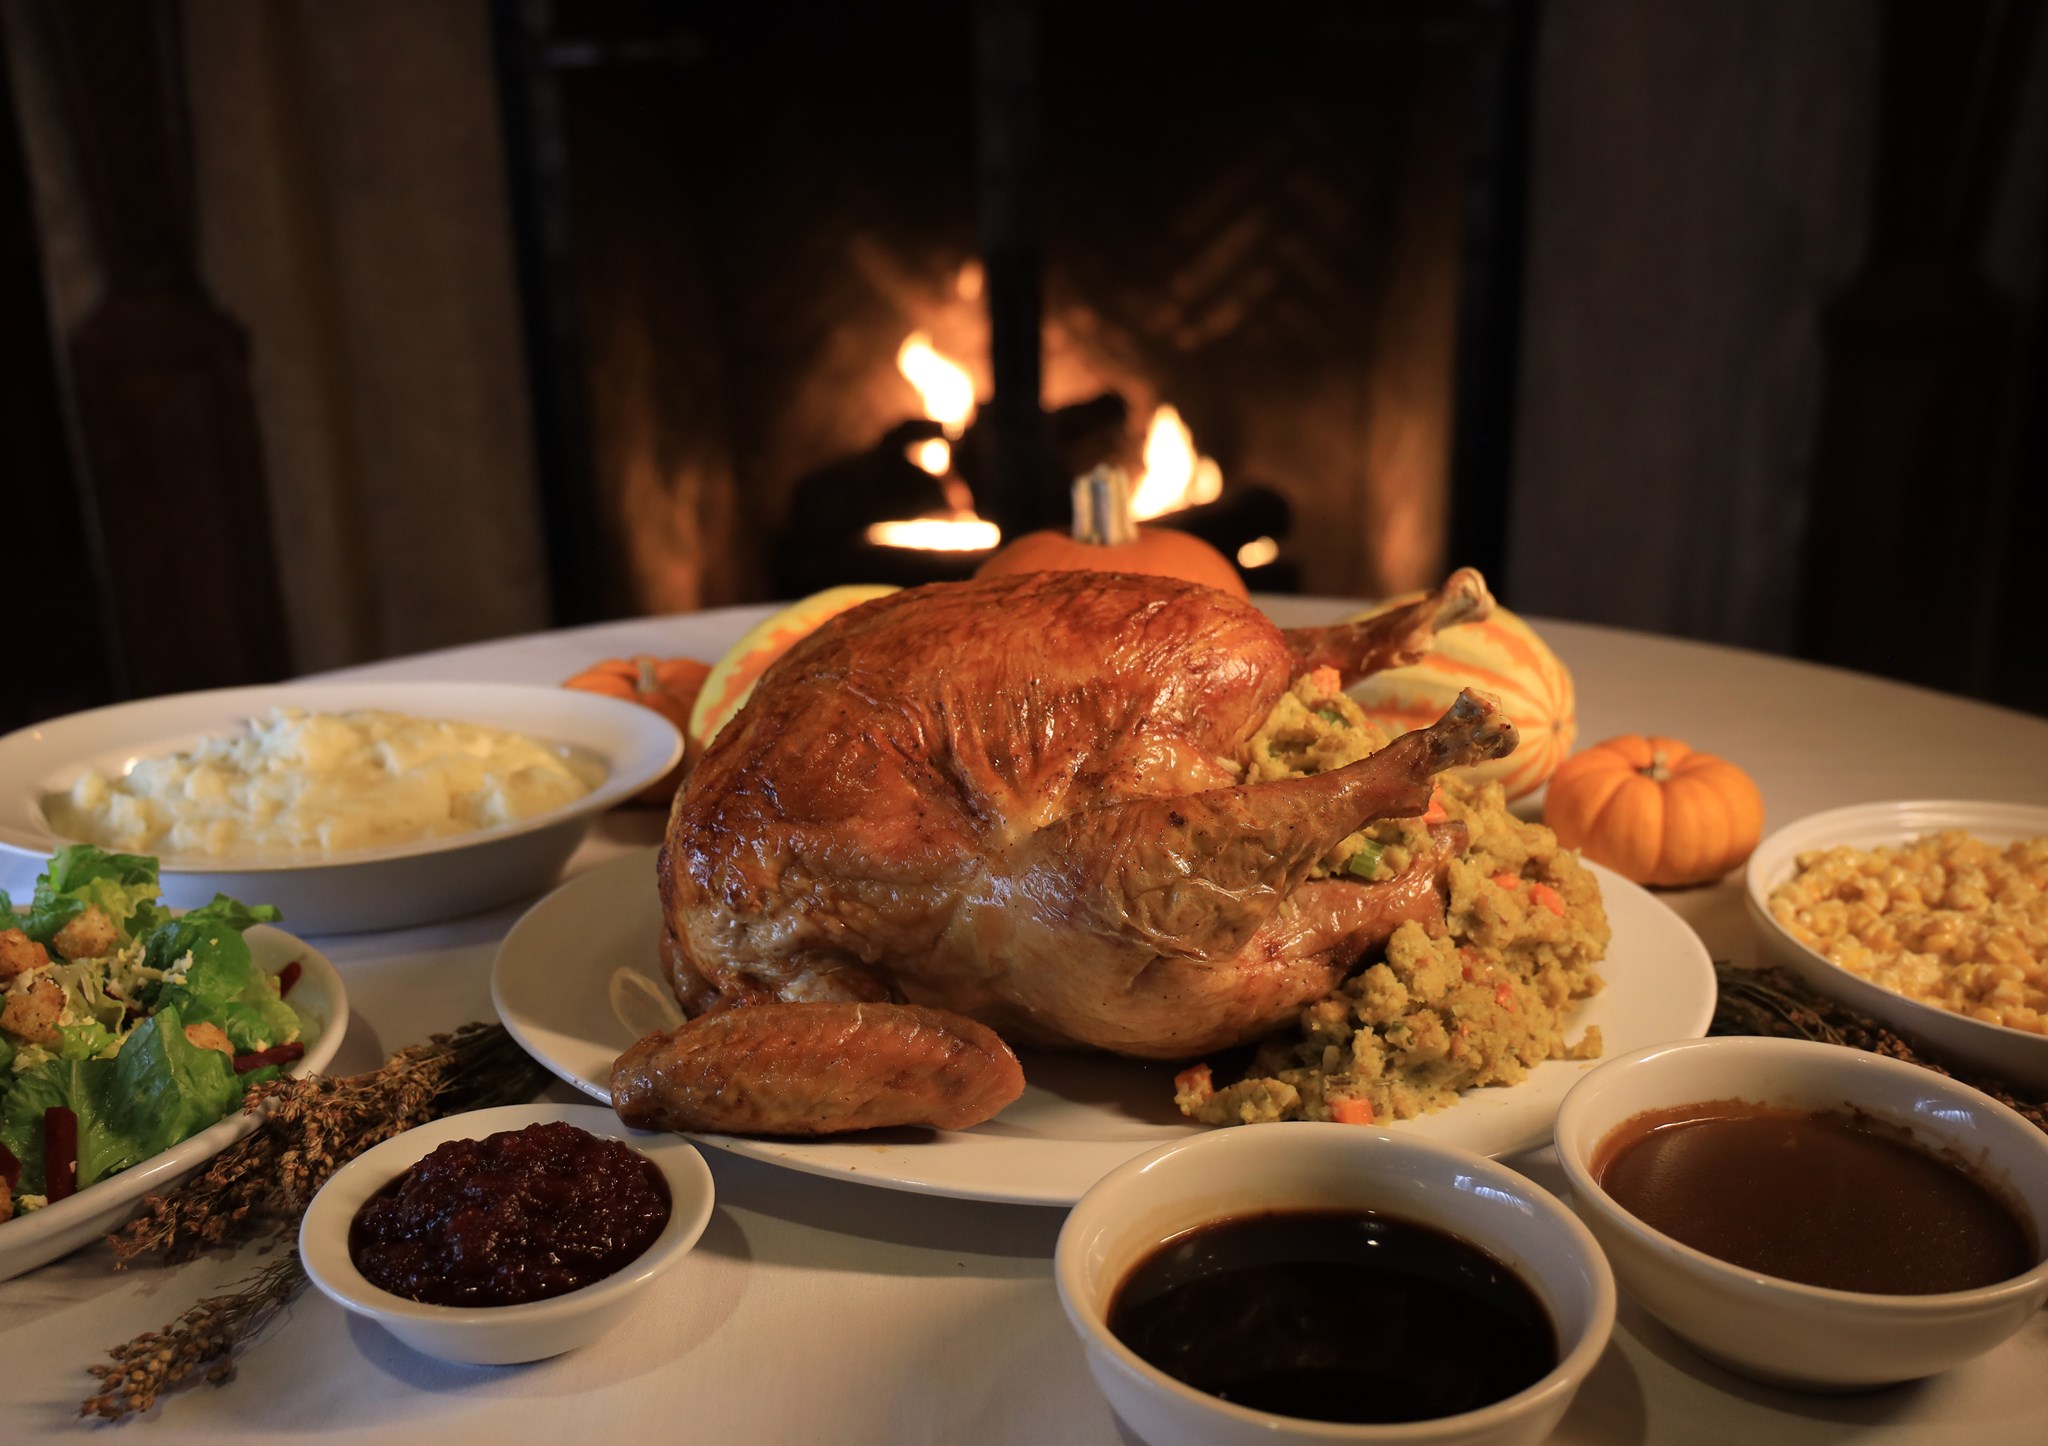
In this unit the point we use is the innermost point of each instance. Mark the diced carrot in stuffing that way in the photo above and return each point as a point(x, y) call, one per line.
point(1507, 880)
point(1504, 996)
point(1326, 680)
point(1548, 897)
point(1195, 1081)
point(1351, 1111)
point(1436, 812)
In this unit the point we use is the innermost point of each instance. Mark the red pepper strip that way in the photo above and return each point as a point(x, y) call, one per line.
point(60, 1152)
point(10, 1168)
point(276, 1054)
point(287, 977)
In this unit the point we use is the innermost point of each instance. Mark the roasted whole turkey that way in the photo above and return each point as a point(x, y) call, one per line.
point(1010, 810)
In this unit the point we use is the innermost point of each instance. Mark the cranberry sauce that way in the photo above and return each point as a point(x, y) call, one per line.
point(517, 1216)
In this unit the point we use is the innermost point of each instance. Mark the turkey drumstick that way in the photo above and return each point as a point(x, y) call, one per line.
point(1196, 875)
point(1396, 638)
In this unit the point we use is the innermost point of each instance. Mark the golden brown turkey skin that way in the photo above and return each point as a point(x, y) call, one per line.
point(1014, 799)
point(816, 1069)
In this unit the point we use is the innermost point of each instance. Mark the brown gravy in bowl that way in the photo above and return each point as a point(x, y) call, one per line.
point(1831, 1198)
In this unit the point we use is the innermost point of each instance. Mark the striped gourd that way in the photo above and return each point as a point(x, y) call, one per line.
point(732, 678)
point(1503, 656)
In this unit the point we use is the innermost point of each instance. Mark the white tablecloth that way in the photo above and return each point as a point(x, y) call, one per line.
point(816, 1310)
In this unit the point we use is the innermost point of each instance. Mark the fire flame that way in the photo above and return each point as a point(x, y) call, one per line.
point(942, 383)
point(937, 534)
point(1258, 552)
point(1175, 475)
point(948, 395)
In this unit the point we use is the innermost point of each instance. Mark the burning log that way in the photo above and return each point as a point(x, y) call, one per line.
point(821, 542)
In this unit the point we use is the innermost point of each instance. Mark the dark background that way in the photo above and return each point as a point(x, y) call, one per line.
point(1720, 321)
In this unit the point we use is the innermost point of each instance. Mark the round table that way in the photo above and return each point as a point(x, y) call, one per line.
point(817, 1310)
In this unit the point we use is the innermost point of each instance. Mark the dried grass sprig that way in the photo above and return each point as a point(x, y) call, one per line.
point(1773, 1002)
point(199, 1345)
point(309, 1128)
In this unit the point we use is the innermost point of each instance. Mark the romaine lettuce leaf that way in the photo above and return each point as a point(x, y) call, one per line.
point(125, 885)
point(83, 1041)
point(161, 1089)
point(165, 1088)
point(230, 913)
point(220, 959)
point(257, 1024)
point(86, 1087)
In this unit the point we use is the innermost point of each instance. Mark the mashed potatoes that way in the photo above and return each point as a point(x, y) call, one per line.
point(294, 784)
point(1480, 1003)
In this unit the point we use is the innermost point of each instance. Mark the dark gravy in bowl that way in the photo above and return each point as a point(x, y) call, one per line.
point(1830, 1198)
point(1335, 1315)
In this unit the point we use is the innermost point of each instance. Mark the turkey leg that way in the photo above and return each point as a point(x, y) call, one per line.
point(1396, 638)
point(1196, 875)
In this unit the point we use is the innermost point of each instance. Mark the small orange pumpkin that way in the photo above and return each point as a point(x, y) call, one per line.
point(1105, 539)
point(1655, 811)
point(667, 685)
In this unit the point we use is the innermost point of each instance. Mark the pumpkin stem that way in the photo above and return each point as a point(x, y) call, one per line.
point(1102, 508)
point(1660, 767)
point(648, 681)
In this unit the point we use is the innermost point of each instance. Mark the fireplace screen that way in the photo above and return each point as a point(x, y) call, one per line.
point(823, 294)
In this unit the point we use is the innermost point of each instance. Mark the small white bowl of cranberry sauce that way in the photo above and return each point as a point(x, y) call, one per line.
point(1810, 1215)
point(506, 1235)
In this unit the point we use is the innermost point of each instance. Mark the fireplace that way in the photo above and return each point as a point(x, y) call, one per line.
point(821, 294)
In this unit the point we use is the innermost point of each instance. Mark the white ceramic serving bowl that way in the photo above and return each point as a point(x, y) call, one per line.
point(1225, 1173)
point(2012, 1054)
point(40, 1236)
point(505, 1334)
point(388, 888)
point(1778, 1331)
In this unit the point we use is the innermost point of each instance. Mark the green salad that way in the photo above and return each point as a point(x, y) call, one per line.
point(124, 1029)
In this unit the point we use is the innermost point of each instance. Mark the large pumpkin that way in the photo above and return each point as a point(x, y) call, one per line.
point(733, 677)
point(1655, 811)
point(1503, 656)
point(1104, 539)
point(667, 685)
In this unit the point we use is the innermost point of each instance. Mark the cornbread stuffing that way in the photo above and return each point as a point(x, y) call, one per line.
point(1479, 1003)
